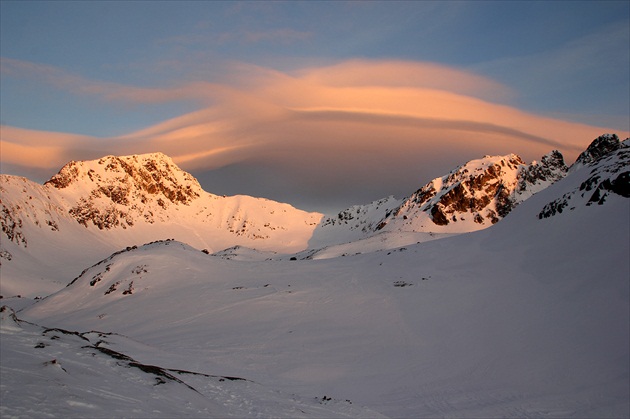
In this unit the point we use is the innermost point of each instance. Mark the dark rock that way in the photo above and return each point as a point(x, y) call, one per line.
point(600, 147)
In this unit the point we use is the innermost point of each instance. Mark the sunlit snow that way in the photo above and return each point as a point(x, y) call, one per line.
point(526, 318)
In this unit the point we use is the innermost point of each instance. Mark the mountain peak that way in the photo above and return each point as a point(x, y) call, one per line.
point(606, 176)
point(469, 191)
point(600, 147)
point(125, 177)
point(109, 190)
point(476, 194)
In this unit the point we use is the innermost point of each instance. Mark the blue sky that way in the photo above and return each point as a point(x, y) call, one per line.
point(101, 72)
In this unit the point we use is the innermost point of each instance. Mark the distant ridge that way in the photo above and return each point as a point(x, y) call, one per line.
point(120, 201)
point(470, 197)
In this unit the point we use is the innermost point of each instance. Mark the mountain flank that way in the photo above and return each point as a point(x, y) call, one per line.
point(116, 202)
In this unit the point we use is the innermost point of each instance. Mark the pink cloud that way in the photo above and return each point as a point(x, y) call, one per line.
point(107, 91)
point(393, 73)
point(376, 124)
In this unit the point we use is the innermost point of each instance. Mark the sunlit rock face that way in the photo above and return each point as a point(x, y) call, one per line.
point(478, 193)
point(114, 191)
point(140, 198)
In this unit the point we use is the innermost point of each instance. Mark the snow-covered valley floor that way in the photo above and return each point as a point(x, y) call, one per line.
point(479, 325)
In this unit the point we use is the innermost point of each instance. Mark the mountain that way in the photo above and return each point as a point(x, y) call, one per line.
point(470, 197)
point(117, 202)
point(138, 192)
point(609, 175)
point(526, 318)
point(599, 147)
point(120, 192)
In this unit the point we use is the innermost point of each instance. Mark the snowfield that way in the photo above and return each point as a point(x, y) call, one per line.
point(527, 318)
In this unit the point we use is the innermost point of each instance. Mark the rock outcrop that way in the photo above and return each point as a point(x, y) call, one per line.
point(480, 192)
point(115, 191)
point(608, 162)
point(600, 147)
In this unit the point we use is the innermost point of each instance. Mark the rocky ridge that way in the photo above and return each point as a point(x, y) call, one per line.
point(123, 189)
point(137, 192)
point(481, 192)
point(363, 217)
point(150, 198)
point(600, 147)
point(471, 196)
point(607, 161)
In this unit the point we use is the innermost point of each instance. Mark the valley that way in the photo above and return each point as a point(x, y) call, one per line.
point(498, 290)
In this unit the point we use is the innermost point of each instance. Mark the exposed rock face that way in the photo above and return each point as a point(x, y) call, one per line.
point(116, 190)
point(362, 217)
point(600, 147)
point(480, 188)
point(151, 198)
point(12, 225)
point(609, 163)
point(532, 179)
point(24, 203)
point(482, 191)
point(551, 168)
point(120, 178)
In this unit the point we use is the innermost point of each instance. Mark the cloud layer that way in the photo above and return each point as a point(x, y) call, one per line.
point(319, 137)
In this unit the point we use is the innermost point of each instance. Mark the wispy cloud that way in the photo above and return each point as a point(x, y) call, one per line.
point(587, 66)
point(404, 74)
point(109, 91)
point(39, 149)
point(282, 36)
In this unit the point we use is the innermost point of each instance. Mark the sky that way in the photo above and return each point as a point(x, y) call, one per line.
point(321, 105)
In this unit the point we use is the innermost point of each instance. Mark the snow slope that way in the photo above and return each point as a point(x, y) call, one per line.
point(116, 202)
point(62, 373)
point(528, 318)
point(140, 191)
point(131, 200)
point(475, 195)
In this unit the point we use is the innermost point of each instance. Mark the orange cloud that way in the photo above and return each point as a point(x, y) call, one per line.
point(384, 124)
point(42, 150)
point(393, 73)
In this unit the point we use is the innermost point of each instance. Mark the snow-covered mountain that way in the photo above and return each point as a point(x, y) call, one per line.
point(527, 318)
point(470, 197)
point(609, 174)
point(117, 202)
point(600, 147)
point(137, 192)
point(120, 192)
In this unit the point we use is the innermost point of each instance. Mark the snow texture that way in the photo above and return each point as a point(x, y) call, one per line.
point(526, 318)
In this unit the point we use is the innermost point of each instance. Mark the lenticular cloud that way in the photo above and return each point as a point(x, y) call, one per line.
point(355, 120)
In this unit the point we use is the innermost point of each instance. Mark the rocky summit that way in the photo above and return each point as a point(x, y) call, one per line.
point(114, 191)
point(478, 193)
